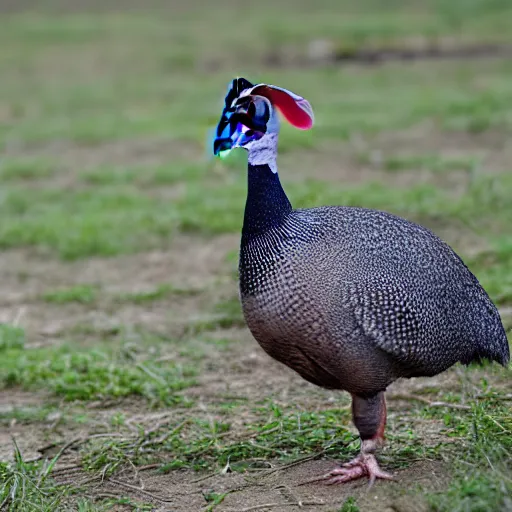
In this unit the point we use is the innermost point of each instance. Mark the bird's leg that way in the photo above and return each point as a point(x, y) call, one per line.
point(369, 416)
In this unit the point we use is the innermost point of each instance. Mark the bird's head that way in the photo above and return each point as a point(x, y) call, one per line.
point(250, 115)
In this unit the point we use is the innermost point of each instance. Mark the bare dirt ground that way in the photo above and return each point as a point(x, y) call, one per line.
point(280, 491)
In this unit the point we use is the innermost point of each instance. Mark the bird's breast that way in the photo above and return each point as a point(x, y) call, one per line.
point(280, 309)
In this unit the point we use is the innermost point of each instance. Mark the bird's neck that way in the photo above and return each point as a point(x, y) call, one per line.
point(267, 204)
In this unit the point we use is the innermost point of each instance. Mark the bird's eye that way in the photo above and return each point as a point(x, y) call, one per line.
point(260, 109)
point(259, 113)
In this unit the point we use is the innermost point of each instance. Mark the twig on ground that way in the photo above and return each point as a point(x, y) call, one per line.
point(428, 402)
point(19, 316)
point(78, 441)
point(269, 431)
point(151, 374)
point(498, 424)
point(205, 477)
point(63, 469)
point(104, 495)
point(165, 436)
point(500, 398)
point(271, 505)
point(147, 467)
point(291, 464)
point(4, 503)
point(141, 491)
point(301, 461)
point(314, 480)
point(85, 481)
point(30, 461)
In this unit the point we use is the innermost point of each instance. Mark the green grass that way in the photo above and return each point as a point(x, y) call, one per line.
point(83, 294)
point(26, 415)
point(15, 169)
point(494, 269)
point(104, 126)
point(168, 173)
point(226, 314)
point(115, 219)
point(95, 374)
point(349, 505)
point(482, 471)
point(11, 337)
point(109, 208)
point(429, 162)
point(160, 292)
point(201, 444)
point(28, 486)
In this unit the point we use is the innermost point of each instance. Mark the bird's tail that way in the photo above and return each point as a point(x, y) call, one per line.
point(491, 342)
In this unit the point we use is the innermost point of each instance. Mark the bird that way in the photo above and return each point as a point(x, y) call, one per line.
point(350, 298)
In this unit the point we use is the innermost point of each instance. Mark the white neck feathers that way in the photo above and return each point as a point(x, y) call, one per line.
point(264, 151)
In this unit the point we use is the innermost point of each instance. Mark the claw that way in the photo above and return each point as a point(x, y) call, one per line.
point(362, 465)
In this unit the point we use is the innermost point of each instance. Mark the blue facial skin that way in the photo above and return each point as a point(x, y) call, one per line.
point(231, 133)
point(235, 127)
point(223, 142)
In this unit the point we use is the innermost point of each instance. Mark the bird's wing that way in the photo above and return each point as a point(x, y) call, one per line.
point(387, 316)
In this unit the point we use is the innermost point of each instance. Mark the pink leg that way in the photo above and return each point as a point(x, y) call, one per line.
point(369, 415)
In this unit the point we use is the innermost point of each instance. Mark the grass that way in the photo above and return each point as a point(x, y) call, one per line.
point(112, 219)
point(119, 209)
point(202, 444)
point(94, 374)
point(28, 484)
point(349, 505)
point(104, 126)
point(89, 294)
point(481, 481)
point(27, 415)
point(226, 314)
point(83, 294)
point(160, 292)
point(429, 162)
point(19, 169)
point(11, 337)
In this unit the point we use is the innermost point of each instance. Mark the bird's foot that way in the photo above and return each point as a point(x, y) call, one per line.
point(363, 465)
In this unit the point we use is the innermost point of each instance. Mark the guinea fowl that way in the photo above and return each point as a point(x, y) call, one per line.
point(350, 298)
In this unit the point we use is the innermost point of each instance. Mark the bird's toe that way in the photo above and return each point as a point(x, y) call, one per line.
point(363, 465)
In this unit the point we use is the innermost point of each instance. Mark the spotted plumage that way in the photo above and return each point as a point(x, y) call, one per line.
point(325, 278)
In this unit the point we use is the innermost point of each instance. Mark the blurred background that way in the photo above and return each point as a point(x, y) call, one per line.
point(119, 232)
